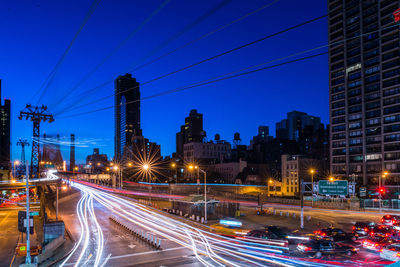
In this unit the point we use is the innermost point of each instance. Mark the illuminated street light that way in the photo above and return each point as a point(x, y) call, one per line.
point(98, 163)
point(13, 181)
point(76, 168)
point(331, 179)
point(108, 169)
point(312, 171)
point(146, 167)
point(173, 165)
point(129, 164)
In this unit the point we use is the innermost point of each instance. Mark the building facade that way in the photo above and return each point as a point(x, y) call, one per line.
point(291, 127)
point(206, 152)
point(5, 134)
point(364, 89)
point(127, 113)
point(228, 171)
point(192, 131)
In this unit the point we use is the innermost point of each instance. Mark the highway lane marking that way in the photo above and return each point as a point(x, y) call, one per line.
point(106, 260)
point(146, 253)
point(5, 218)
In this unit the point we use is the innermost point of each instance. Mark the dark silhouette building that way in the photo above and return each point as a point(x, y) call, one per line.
point(191, 132)
point(72, 153)
point(97, 162)
point(127, 113)
point(5, 133)
point(364, 90)
point(296, 121)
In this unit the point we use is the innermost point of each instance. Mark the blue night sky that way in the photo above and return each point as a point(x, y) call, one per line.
point(36, 33)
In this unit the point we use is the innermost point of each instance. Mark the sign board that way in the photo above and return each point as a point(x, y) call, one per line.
point(33, 213)
point(339, 187)
point(22, 222)
point(363, 191)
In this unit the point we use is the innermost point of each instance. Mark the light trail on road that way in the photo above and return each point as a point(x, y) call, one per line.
point(85, 207)
point(210, 249)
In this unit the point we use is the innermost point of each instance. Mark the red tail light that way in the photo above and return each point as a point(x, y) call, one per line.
point(387, 234)
point(372, 233)
point(382, 220)
point(307, 249)
point(365, 229)
point(354, 228)
point(393, 221)
point(398, 254)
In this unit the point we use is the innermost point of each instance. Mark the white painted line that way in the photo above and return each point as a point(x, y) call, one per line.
point(146, 253)
point(105, 261)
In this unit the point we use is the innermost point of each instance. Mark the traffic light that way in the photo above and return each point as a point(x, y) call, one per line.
point(382, 190)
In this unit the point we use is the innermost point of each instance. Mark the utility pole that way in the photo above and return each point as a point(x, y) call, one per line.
point(302, 204)
point(22, 144)
point(36, 114)
point(28, 226)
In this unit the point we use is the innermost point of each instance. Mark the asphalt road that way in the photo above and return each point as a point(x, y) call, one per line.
point(8, 235)
point(120, 248)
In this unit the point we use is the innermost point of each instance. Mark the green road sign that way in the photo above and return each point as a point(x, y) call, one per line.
point(33, 213)
point(363, 191)
point(338, 187)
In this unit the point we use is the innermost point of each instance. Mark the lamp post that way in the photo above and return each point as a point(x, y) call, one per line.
point(191, 167)
point(273, 181)
point(146, 168)
point(16, 163)
point(173, 166)
point(381, 183)
point(312, 171)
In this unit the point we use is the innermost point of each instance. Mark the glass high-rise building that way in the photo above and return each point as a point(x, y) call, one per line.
point(127, 113)
point(5, 133)
point(364, 72)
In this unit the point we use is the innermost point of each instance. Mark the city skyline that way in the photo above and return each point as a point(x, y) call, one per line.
point(157, 114)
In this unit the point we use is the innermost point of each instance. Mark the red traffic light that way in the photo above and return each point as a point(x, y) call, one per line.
point(382, 190)
point(396, 15)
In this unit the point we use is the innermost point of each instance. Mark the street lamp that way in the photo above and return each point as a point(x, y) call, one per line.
point(273, 181)
point(16, 163)
point(331, 178)
point(312, 171)
point(381, 184)
point(191, 167)
point(147, 171)
point(173, 166)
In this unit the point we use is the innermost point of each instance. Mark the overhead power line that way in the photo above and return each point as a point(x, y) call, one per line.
point(204, 60)
point(105, 59)
point(47, 83)
point(188, 27)
point(201, 83)
point(205, 35)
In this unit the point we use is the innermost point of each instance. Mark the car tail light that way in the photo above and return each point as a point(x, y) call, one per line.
point(323, 234)
point(365, 229)
point(382, 220)
point(307, 248)
point(354, 228)
point(371, 234)
point(397, 254)
point(387, 234)
point(393, 221)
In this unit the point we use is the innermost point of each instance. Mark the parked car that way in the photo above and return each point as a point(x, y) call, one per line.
point(319, 247)
point(377, 244)
point(334, 234)
point(362, 229)
point(390, 219)
point(391, 253)
point(382, 231)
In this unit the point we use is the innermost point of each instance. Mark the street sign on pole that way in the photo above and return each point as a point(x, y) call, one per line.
point(363, 191)
point(339, 187)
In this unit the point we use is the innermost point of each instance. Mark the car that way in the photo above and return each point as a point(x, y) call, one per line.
point(390, 219)
point(334, 234)
point(284, 233)
point(319, 247)
point(382, 231)
point(362, 229)
point(229, 227)
point(377, 243)
point(266, 237)
point(391, 253)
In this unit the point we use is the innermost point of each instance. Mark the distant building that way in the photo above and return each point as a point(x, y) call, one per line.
point(192, 131)
point(5, 134)
point(262, 137)
point(295, 168)
point(51, 152)
point(206, 152)
point(127, 113)
point(228, 171)
point(364, 90)
point(97, 162)
point(291, 127)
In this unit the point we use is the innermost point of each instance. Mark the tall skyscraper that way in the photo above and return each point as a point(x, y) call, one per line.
point(5, 132)
point(127, 113)
point(364, 89)
point(291, 127)
point(192, 131)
